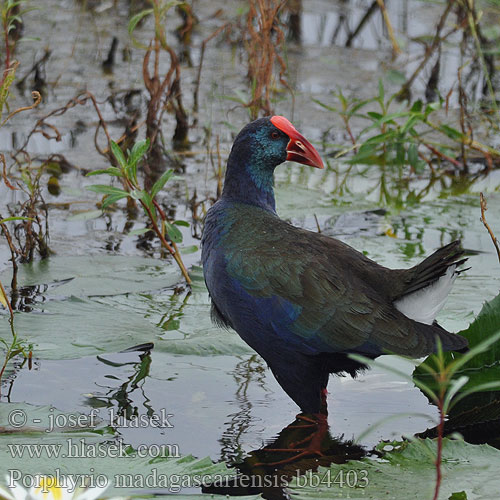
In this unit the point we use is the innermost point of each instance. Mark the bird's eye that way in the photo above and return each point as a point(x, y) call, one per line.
point(275, 135)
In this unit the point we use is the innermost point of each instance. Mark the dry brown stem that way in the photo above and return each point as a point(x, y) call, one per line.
point(79, 100)
point(484, 207)
point(198, 77)
point(395, 46)
point(37, 98)
point(405, 89)
point(263, 44)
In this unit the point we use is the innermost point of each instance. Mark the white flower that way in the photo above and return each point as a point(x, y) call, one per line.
point(48, 488)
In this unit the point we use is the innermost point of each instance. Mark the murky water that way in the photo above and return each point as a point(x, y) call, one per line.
point(223, 401)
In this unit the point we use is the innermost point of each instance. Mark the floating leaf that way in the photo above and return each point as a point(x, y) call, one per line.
point(484, 367)
point(467, 467)
point(95, 453)
point(113, 302)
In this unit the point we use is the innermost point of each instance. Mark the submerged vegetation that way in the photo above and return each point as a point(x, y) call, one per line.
point(151, 108)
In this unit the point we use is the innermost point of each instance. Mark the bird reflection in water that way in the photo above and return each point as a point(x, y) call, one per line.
point(302, 446)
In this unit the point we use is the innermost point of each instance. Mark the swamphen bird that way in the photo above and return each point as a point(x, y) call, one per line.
point(302, 300)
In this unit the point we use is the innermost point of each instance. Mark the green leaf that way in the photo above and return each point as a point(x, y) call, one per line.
point(118, 154)
point(417, 107)
point(451, 132)
point(136, 19)
point(110, 293)
point(396, 77)
point(138, 151)
point(145, 198)
point(113, 198)
point(480, 359)
point(467, 467)
point(410, 123)
point(27, 180)
point(379, 138)
point(413, 155)
point(142, 230)
point(109, 171)
point(323, 105)
point(459, 495)
point(375, 115)
point(381, 91)
point(105, 189)
point(110, 463)
point(365, 154)
point(392, 116)
point(158, 185)
point(173, 233)
point(189, 249)
point(181, 223)
point(138, 194)
point(433, 106)
point(8, 219)
point(400, 153)
point(452, 390)
point(473, 402)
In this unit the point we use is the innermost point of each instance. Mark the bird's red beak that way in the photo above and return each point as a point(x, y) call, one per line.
point(299, 149)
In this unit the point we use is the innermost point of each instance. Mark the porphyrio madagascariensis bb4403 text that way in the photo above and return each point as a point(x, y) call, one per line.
point(302, 300)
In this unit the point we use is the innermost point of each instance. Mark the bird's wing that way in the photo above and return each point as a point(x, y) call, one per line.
point(318, 300)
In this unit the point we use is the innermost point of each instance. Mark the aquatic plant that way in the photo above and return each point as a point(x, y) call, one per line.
point(127, 172)
point(402, 137)
point(262, 36)
point(164, 92)
point(10, 20)
point(484, 207)
point(16, 345)
point(419, 133)
point(445, 378)
point(476, 52)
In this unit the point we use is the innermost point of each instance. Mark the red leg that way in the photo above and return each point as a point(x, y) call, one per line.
point(320, 422)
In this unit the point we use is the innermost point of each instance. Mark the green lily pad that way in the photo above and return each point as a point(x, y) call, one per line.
point(88, 450)
point(407, 472)
point(97, 275)
point(482, 368)
point(113, 303)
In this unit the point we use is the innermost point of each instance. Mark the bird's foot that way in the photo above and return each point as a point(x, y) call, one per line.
point(304, 418)
point(315, 438)
point(304, 452)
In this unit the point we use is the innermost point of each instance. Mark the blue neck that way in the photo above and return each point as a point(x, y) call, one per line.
point(245, 182)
